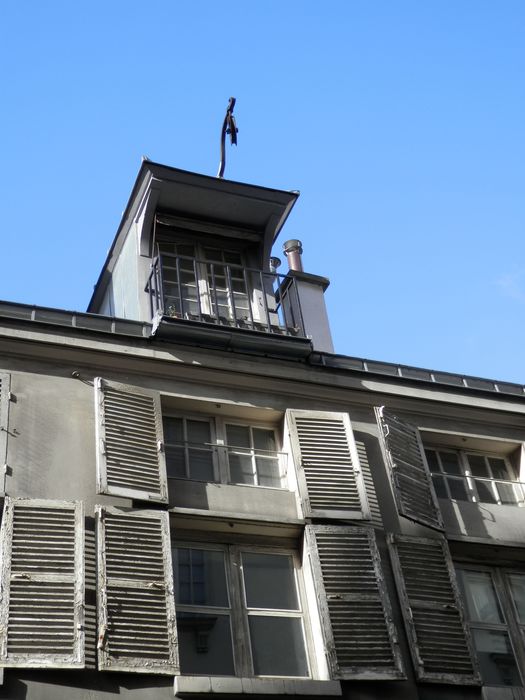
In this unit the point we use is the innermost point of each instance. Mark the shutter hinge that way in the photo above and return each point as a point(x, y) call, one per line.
point(160, 446)
point(6, 468)
point(103, 446)
point(10, 396)
point(102, 637)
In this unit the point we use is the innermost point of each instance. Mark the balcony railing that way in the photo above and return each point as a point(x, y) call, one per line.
point(182, 287)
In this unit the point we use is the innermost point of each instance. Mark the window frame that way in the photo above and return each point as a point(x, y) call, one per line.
point(239, 611)
point(469, 480)
point(220, 448)
point(511, 625)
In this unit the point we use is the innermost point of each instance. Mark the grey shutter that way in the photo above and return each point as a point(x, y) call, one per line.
point(360, 637)
point(137, 630)
point(329, 476)
point(438, 636)
point(130, 449)
point(4, 411)
point(411, 479)
point(42, 584)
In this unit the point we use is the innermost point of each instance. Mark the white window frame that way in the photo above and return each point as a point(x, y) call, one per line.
point(214, 445)
point(240, 612)
point(511, 625)
point(220, 449)
point(469, 479)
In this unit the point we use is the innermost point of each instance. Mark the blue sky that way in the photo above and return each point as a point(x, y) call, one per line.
point(401, 123)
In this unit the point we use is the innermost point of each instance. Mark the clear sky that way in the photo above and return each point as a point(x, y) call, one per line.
point(402, 124)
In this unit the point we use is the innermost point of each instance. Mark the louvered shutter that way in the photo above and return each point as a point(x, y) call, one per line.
point(42, 584)
point(438, 636)
point(4, 410)
point(329, 476)
point(137, 630)
point(360, 637)
point(130, 449)
point(411, 479)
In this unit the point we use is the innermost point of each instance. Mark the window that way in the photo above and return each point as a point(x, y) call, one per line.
point(239, 611)
point(473, 476)
point(209, 449)
point(495, 607)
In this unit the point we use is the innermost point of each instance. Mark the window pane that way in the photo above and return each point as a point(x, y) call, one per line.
point(268, 472)
point(432, 460)
point(269, 581)
point(478, 465)
point(507, 493)
point(439, 485)
point(241, 468)
point(205, 644)
point(201, 465)
point(198, 432)
point(517, 587)
point(200, 578)
point(173, 430)
point(495, 656)
point(175, 462)
point(458, 489)
point(486, 491)
point(450, 462)
point(499, 469)
point(238, 436)
point(278, 646)
point(264, 440)
point(480, 597)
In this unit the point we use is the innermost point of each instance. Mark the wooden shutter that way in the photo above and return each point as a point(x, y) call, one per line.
point(360, 637)
point(130, 448)
point(438, 636)
point(42, 584)
point(4, 410)
point(411, 479)
point(329, 476)
point(137, 628)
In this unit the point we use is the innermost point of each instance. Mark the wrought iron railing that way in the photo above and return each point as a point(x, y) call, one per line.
point(480, 489)
point(224, 294)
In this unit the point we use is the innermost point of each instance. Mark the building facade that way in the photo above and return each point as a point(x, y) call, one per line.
point(201, 497)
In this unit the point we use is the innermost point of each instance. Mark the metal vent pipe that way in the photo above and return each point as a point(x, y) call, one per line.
point(293, 249)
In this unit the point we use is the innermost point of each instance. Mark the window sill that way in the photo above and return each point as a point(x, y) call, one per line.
point(187, 685)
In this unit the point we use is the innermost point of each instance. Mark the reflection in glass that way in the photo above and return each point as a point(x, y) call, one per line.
point(205, 644)
point(269, 581)
point(496, 658)
point(480, 596)
point(458, 489)
point(278, 647)
point(517, 587)
point(200, 577)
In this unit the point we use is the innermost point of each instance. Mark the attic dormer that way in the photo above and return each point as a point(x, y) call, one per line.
point(192, 257)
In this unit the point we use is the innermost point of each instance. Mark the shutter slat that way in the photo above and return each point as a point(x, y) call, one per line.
point(41, 612)
point(357, 620)
point(439, 638)
point(136, 601)
point(411, 479)
point(330, 480)
point(129, 432)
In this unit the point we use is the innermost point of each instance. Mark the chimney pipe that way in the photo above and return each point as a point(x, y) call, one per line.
point(293, 250)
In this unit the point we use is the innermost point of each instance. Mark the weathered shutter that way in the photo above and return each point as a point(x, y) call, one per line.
point(130, 448)
point(137, 630)
point(360, 637)
point(329, 476)
point(42, 584)
point(411, 479)
point(438, 636)
point(4, 410)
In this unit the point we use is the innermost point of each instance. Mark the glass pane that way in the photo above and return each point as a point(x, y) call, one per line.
point(241, 469)
point(499, 469)
point(198, 432)
point(486, 492)
point(238, 436)
point(439, 485)
point(173, 430)
point(200, 578)
point(232, 257)
point(278, 646)
point(201, 465)
point(268, 472)
point(269, 581)
point(458, 489)
point(205, 644)
point(478, 465)
point(264, 439)
point(517, 587)
point(479, 596)
point(175, 462)
point(432, 460)
point(213, 254)
point(507, 493)
point(450, 462)
point(495, 656)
